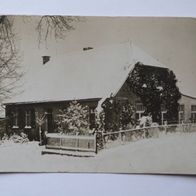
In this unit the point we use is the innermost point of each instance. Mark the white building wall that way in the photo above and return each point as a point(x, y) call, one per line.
point(187, 102)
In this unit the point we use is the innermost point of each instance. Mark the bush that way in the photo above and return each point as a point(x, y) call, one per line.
point(100, 121)
point(73, 120)
point(2, 127)
point(16, 138)
point(126, 116)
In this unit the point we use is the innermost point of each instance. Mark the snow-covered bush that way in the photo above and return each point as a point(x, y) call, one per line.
point(16, 138)
point(126, 116)
point(100, 121)
point(153, 130)
point(145, 121)
point(2, 127)
point(74, 119)
point(100, 128)
point(100, 140)
point(5, 137)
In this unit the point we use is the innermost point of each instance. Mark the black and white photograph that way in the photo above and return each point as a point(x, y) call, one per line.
point(97, 94)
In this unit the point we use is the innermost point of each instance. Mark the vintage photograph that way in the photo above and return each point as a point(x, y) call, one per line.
point(97, 94)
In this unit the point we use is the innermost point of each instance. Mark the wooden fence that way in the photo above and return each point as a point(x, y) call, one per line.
point(146, 132)
point(75, 145)
point(79, 145)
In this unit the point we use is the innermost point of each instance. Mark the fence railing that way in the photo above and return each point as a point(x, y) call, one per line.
point(90, 144)
point(71, 143)
point(146, 132)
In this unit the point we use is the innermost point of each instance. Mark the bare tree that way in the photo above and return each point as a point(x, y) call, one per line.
point(9, 68)
point(56, 26)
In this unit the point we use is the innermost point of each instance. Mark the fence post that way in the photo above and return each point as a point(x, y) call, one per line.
point(95, 142)
point(103, 139)
point(119, 135)
point(165, 126)
point(77, 143)
point(60, 142)
point(40, 135)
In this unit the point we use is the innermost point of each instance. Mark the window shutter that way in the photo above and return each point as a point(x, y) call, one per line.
point(32, 118)
point(21, 118)
point(10, 117)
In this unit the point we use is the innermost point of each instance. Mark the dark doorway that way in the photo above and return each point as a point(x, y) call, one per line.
point(49, 121)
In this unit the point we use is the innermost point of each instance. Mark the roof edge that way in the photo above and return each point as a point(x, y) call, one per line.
point(48, 101)
point(189, 96)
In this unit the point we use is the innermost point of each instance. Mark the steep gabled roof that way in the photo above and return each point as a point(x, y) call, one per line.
point(94, 73)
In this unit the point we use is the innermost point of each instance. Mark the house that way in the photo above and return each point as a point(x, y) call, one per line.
point(187, 108)
point(89, 76)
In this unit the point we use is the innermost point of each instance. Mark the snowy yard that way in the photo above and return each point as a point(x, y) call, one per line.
point(172, 153)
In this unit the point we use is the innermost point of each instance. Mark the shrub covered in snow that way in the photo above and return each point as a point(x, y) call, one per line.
point(118, 114)
point(74, 119)
point(100, 141)
point(2, 127)
point(145, 121)
point(100, 121)
point(126, 116)
point(16, 138)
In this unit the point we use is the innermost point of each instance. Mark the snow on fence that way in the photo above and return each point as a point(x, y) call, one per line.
point(80, 145)
point(76, 145)
point(145, 132)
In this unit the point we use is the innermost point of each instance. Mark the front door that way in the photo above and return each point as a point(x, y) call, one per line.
point(49, 121)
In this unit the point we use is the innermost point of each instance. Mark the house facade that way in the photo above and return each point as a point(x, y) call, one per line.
point(23, 117)
point(187, 109)
point(88, 76)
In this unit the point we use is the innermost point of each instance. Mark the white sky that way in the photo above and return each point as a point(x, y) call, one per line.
point(169, 40)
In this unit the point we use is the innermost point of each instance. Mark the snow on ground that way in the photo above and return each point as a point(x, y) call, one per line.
point(172, 153)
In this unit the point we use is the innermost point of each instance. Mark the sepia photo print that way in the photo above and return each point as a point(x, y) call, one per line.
point(97, 94)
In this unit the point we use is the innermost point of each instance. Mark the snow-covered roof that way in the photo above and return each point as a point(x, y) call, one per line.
point(94, 73)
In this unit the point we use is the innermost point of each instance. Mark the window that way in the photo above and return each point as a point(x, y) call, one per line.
point(140, 107)
point(181, 116)
point(181, 107)
point(181, 113)
point(193, 117)
point(193, 108)
point(193, 113)
point(139, 110)
point(49, 120)
point(28, 119)
point(15, 119)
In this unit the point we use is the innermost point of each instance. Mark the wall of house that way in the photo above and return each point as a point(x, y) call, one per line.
point(187, 101)
point(113, 108)
point(126, 94)
point(37, 111)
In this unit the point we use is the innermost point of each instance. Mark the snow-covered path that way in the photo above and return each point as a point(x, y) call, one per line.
point(173, 153)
